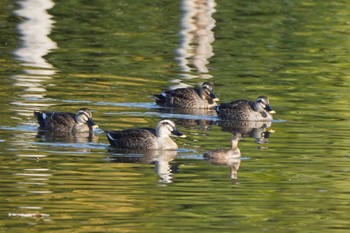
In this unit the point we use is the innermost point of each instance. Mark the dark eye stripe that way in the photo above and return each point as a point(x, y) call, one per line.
point(85, 114)
point(206, 86)
point(169, 123)
point(260, 100)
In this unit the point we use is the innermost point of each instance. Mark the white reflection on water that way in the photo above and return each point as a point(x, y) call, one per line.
point(196, 37)
point(36, 76)
point(32, 182)
point(35, 44)
point(160, 158)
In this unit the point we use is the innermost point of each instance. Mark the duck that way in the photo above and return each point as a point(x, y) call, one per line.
point(189, 97)
point(66, 121)
point(146, 138)
point(246, 110)
point(229, 157)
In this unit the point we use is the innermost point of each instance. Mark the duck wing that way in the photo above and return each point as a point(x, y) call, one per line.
point(182, 93)
point(59, 120)
point(241, 104)
point(141, 138)
point(51, 120)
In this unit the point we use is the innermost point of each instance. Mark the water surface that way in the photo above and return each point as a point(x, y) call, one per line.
point(112, 56)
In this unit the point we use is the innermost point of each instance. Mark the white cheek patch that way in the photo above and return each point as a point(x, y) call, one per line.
point(44, 116)
point(163, 94)
point(82, 117)
point(172, 126)
point(169, 128)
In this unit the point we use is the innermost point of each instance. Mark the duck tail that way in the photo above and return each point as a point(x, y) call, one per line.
point(40, 118)
point(217, 109)
point(109, 137)
point(160, 98)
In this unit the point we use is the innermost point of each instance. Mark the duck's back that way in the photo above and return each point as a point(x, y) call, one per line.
point(142, 138)
point(60, 121)
point(236, 110)
point(222, 156)
point(184, 98)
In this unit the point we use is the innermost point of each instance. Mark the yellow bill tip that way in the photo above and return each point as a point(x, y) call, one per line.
point(271, 130)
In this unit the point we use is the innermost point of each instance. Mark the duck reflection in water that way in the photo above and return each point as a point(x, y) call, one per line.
point(67, 137)
point(227, 157)
point(160, 158)
point(258, 130)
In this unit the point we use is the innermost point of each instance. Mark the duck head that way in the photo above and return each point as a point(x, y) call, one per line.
point(207, 91)
point(262, 104)
point(84, 116)
point(167, 127)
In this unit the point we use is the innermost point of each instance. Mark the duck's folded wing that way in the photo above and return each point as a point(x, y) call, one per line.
point(132, 138)
point(236, 104)
point(62, 118)
point(182, 93)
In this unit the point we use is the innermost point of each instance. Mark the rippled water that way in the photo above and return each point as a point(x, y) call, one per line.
point(111, 56)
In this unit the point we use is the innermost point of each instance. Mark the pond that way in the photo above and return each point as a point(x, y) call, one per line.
point(292, 174)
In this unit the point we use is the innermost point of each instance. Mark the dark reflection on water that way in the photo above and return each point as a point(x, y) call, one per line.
point(74, 137)
point(260, 131)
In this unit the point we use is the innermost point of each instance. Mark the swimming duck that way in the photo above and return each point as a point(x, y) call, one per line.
point(229, 157)
point(190, 97)
point(246, 110)
point(66, 121)
point(146, 138)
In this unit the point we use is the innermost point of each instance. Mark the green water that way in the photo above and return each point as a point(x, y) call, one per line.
point(111, 56)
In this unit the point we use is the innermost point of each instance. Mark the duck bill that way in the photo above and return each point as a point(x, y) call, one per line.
point(269, 109)
point(213, 97)
point(92, 124)
point(178, 133)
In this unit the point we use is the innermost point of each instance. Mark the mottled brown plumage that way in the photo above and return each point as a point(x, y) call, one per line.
point(66, 121)
point(145, 138)
point(246, 110)
point(190, 97)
